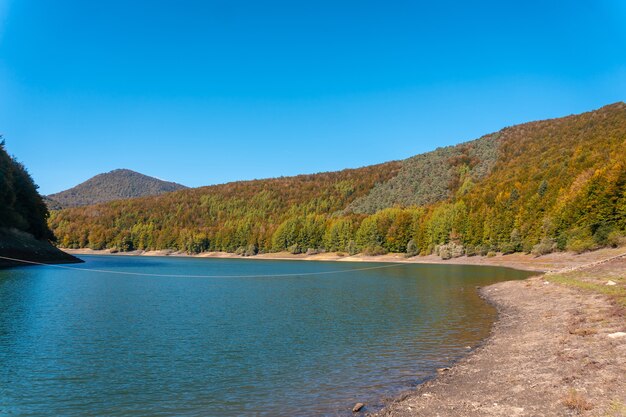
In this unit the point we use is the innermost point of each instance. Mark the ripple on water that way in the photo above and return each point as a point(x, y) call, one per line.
point(75, 343)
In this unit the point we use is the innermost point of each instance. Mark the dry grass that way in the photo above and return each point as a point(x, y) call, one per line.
point(582, 331)
point(574, 400)
point(617, 408)
point(594, 280)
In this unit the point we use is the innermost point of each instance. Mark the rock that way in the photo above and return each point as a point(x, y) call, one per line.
point(617, 335)
point(442, 370)
point(357, 407)
point(609, 282)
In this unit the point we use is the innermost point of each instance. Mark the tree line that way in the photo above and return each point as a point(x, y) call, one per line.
point(553, 185)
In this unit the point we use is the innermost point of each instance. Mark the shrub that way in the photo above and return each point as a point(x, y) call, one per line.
point(508, 248)
point(450, 250)
point(482, 250)
point(295, 249)
point(352, 248)
point(616, 239)
point(576, 401)
point(374, 251)
point(251, 250)
point(546, 246)
point(311, 251)
point(580, 245)
point(601, 234)
point(491, 254)
point(411, 248)
point(580, 240)
point(471, 250)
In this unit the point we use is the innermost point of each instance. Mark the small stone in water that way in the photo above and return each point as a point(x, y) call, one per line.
point(357, 407)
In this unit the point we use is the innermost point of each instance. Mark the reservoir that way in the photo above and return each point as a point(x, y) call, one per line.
point(165, 336)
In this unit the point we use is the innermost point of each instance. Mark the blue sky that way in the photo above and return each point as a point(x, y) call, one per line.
point(204, 92)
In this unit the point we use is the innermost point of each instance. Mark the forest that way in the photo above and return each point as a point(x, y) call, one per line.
point(21, 206)
point(556, 184)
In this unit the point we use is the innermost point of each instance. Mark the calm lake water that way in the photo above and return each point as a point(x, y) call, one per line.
point(75, 343)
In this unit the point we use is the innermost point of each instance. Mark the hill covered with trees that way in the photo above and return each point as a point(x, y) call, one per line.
point(118, 184)
point(539, 186)
point(24, 232)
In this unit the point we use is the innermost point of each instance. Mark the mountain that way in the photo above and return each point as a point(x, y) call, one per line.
point(24, 232)
point(539, 186)
point(115, 185)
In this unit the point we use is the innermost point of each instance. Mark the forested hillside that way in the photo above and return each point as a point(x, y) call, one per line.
point(115, 185)
point(222, 217)
point(21, 206)
point(24, 232)
point(433, 176)
point(540, 186)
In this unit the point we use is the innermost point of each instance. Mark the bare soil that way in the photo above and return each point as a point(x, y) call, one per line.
point(554, 351)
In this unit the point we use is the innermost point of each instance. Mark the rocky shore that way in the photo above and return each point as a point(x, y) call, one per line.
point(558, 348)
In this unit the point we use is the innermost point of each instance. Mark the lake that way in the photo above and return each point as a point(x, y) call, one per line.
point(287, 342)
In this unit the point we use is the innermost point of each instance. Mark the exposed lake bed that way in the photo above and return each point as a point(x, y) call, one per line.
point(557, 348)
point(278, 343)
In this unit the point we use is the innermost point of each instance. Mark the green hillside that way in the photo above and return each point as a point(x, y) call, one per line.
point(540, 186)
point(24, 232)
point(21, 206)
point(220, 217)
point(433, 176)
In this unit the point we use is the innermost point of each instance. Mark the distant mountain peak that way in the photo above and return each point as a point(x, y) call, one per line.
point(118, 184)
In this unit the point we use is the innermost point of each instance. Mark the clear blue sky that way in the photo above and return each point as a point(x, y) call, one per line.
point(204, 92)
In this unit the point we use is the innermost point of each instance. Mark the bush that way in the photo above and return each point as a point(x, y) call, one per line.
point(580, 245)
point(491, 254)
point(508, 248)
point(295, 249)
point(311, 251)
point(616, 239)
point(482, 250)
point(450, 250)
point(471, 250)
point(374, 251)
point(601, 234)
point(546, 246)
point(352, 248)
point(580, 240)
point(251, 251)
point(411, 249)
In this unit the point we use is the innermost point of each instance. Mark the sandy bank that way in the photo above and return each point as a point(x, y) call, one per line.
point(551, 262)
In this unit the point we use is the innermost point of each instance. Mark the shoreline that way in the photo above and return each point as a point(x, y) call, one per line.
point(551, 349)
point(542, 264)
